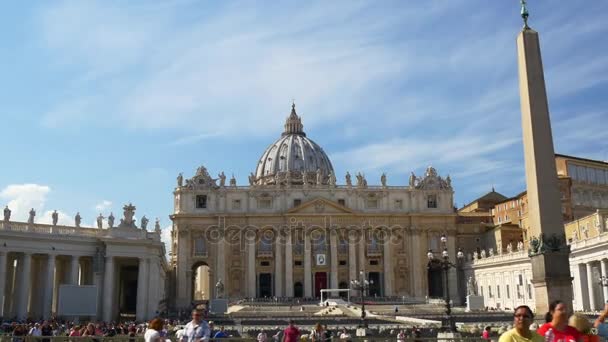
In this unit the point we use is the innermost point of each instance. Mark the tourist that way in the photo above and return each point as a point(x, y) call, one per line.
point(35, 330)
point(486, 333)
point(317, 335)
point(327, 335)
point(400, 336)
point(583, 326)
point(75, 331)
point(197, 329)
point(19, 333)
point(557, 329)
point(221, 333)
point(602, 328)
point(291, 333)
point(262, 337)
point(89, 330)
point(522, 319)
point(46, 330)
point(152, 334)
point(132, 335)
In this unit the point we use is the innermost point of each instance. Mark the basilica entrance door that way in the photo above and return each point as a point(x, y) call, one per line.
point(298, 290)
point(435, 278)
point(320, 282)
point(265, 285)
point(375, 284)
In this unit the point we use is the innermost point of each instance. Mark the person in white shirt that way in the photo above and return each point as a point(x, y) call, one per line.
point(153, 332)
point(262, 337)
point(196, 330)
point(35, 331)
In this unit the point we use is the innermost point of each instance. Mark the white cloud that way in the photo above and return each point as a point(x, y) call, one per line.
point(23, 197)
point(103, 206)
point(165, 237)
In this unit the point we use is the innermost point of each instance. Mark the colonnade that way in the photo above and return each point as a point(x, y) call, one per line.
point(590, 291)
point(31, 281)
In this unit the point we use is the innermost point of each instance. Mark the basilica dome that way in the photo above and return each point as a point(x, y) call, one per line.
point(293, 158)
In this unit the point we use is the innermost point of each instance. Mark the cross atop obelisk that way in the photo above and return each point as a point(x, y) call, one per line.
point(547, 245)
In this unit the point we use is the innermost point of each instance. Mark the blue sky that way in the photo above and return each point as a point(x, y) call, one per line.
point(105, 102)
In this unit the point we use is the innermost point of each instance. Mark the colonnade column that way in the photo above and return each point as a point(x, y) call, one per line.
point(142, 290)
point(2, 281)
point(74, 269)
point(604, 269)
point(333, 246)
point(24, 285)
point(278, 267)
point(590, 287)
point(108, 289)
point(307, 266)
point(49, 290)
point(288, 264)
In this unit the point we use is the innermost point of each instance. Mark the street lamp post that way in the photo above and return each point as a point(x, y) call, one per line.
point(361, 285)
point(444, 264)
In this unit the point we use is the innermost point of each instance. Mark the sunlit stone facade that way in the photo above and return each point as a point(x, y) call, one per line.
point(294, 230)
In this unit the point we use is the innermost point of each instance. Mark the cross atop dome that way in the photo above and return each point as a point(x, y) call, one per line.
point(293, 124)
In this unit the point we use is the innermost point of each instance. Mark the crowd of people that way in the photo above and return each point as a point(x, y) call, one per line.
point(558, 326)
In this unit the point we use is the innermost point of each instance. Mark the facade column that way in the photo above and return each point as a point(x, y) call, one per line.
point(278, 267)
point(590, 287)
point(220, 265)
point(387, 263)
point(142, 290)
point(251, 277)
point(333, 246)
point(108, 290)
point(25, 285)
point(49, 289)
point(74, 269)
point(3, 276)
point(604, 269)
point(289, 264)
point(307, 266)
point(352, 256)
point(362, 258)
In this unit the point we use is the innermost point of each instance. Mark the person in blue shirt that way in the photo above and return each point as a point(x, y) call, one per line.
point(196, 330)
point(602, 328)
point(221, 333)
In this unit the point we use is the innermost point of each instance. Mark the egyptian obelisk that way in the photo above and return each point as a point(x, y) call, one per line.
point(547, 246)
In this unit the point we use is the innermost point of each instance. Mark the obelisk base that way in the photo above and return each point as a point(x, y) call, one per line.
point(551, 280)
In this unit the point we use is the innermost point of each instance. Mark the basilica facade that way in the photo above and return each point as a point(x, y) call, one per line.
point(293, 230)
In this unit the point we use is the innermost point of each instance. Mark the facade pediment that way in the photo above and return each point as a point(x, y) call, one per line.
point(320, 206)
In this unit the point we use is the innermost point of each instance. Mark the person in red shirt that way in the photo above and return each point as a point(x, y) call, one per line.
point(291, 333)
point(557, 329)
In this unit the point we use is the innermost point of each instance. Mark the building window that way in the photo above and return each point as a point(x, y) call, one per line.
point(297, 202)
point(498, 291)
point(342, 262)
point(236, 204)
point(265, 263)
point(431, 201)
point(341, 202)
point(490, 291)
point(372, 203)
point(201, 201)
point(297, 263)
point(199, 247)
point(529, 291)
point(264, 203)
point(398, 204)
point(481, 290)
point(508, 292)
point(373, 262)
